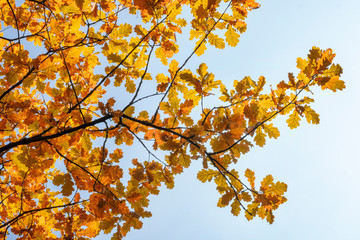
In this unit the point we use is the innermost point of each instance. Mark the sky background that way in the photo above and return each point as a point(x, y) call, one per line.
point(320, 163)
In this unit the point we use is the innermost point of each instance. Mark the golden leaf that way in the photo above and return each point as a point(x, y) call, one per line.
point(232, 37)
point(294, 120)
point(334, 84)
point(235, 208)
point(250, 175)
point(67, 188)
point(225, 199)
point(271, 131)
point(266, 182)
point(311, 116)
point(279, 189)
point(206, 174)
point(260, 137)
point(216, 41)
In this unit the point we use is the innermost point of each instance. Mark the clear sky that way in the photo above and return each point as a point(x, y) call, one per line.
point(320, 163)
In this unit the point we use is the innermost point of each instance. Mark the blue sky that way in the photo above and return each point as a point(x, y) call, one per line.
point(320, 163)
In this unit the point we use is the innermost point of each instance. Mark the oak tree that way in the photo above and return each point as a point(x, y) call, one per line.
point(81, 87)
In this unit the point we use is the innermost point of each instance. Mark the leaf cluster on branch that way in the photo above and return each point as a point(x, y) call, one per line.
point(64, 142)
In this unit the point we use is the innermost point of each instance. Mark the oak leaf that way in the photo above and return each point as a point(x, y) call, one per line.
point(250, 175)
point(294, 120)
point(206, 175)
point(232, 37)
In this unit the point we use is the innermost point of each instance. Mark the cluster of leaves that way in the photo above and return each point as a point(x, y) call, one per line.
point(59, 177)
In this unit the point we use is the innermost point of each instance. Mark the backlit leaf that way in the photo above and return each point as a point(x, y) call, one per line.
point(232, 37)
point(294, 120)
point(260, 137)
point(311, 116)
point(206, 175)
point(250, 175)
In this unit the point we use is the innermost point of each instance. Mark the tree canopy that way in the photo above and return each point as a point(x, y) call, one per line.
point(81, 86)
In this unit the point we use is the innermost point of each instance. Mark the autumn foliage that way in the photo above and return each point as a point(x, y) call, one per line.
point(80, 85)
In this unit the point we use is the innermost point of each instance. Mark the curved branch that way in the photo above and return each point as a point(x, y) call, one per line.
point(18, 83)
point(39, 138)
point(24, 214)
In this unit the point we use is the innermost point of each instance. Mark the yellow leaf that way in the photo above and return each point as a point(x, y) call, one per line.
point(291, 79)
point(246, 196)
point(307, 100)
point(235, 208)
point(232, 37)
point(250, 175)
point(294, 120)
point(252, 209)
point(271, 131)
point(71, 8)
point(225, 199)
point(140, 30)
point(259, 85)
point(107, 225)
point(302, 77)
point(130, 85)
point(173, 67)
point(315, 54)
point(270, 217)
point(267, 181)
point(251, 111)
point(86, 142)
point(288, 109)
point(67, 188)
point(92, 229)
point(184, 160)
point(201, 12)
point(218, 145)
point(144, 115)
point(301, 63)
point(334, 70)
point(202, 70)
point(58, 179)
point(114, 58)
point(278, 189)
point(159, 53)
point(196, 34)
point(18, 161)
point(334, 84)
point(201, 49)
point(206, 175)
point(311, 116)
point(262, 212)
point(161, 78)
point(237, 184)
point(260, 137)
point(216, 41)
point(267, 103)
point(220, 181)
point(130, 110)
point(123, 30)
